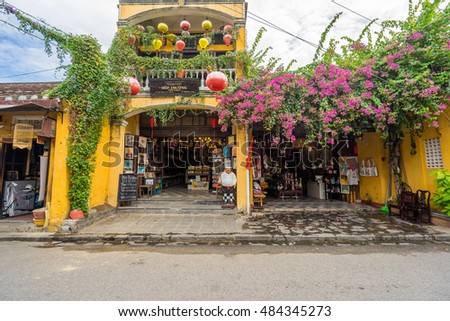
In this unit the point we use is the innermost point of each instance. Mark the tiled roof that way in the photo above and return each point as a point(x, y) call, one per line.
point(26, 96)
point(22, 91)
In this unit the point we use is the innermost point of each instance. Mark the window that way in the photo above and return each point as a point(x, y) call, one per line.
point(433, 153)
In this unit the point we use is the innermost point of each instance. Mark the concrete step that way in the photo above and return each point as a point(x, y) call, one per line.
point(171, 206)
point(173, 210)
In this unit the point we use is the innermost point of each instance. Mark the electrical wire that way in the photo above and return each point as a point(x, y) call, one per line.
point(25, 32)
point(273, 26)
point(33, 17)
point(33, 72)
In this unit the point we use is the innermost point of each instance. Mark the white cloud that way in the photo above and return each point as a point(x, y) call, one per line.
point(304, 18)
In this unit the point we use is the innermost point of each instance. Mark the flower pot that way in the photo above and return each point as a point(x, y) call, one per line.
point(76, 214)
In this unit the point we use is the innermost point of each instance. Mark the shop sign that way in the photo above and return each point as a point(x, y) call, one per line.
point(128, 187)
point(35, 121)
point(174, 87)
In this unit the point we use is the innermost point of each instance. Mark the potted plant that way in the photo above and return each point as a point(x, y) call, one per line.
point(76, 214)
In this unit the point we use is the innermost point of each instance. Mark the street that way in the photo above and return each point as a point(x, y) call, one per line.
point(38, 271)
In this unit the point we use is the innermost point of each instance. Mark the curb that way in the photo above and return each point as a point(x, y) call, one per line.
point(211, 239)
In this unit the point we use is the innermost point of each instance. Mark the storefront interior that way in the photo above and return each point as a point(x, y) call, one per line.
point(190, 152)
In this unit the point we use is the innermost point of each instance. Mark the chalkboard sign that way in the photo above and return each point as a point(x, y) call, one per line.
point(128, 187)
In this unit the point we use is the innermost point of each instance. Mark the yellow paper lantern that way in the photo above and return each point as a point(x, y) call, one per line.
point(207, 25)
point(203, 43)
point(162, 27)
point(171, 37)
point(157, 44)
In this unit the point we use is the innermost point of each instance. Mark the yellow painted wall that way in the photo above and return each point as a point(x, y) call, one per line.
point(232, 9)
point(133, 125)
point(416, 173)
point(57, 199)
point(100, 177)
point(373, 188)
point(116, 152)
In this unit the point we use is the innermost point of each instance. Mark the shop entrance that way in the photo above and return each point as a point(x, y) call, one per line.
point(23, 178)
point(184, 156)
point(300, 169)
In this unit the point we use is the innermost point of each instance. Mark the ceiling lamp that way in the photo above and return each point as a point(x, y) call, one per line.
point(185, 25)
point(203, 43)
point(207, 25)
point(216, 81)
point(162, 27)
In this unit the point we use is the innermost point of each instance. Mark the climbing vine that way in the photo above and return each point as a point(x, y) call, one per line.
point(91, 94)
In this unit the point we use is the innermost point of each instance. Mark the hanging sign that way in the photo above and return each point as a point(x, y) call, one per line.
point(174, 87)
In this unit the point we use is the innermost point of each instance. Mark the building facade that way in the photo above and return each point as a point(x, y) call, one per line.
point(187, 149)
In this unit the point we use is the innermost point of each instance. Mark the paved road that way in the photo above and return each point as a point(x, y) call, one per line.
point(34, 271)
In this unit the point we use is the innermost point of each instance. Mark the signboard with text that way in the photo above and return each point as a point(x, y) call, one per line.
point(174, 87)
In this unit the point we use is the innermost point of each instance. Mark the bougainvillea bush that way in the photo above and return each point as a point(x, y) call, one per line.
point(396, 86)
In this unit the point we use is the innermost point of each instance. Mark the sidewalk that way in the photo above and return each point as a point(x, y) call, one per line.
point(309, 225)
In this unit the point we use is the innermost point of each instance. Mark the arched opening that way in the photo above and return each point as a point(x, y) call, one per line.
point(179, 157)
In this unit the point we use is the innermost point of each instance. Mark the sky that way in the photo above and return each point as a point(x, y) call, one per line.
point(24, 55)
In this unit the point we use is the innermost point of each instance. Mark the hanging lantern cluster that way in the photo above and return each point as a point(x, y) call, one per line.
point(185, 27)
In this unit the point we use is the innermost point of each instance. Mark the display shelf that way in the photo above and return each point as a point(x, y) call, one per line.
point(197, 177)
point(332, 185)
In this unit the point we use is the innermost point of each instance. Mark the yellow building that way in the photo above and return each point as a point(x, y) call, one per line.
point(183, 149)
point(433, 153)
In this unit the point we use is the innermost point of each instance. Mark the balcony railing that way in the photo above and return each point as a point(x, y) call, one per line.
point(144, 78)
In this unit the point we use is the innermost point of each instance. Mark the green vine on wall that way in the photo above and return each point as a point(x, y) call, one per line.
point(91, 93)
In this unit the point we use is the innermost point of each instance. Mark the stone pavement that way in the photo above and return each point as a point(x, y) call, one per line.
point(283, 222)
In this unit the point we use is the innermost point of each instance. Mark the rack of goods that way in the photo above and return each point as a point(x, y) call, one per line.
point(198, 177)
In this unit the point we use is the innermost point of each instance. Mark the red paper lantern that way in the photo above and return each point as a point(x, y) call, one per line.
point(227, 39)
point(185, 25)
point(132, 40)
point(214, 122)
point(216, 81)
point(151, 122)
point(135, 87)
point(228, 29)
point(180, 45)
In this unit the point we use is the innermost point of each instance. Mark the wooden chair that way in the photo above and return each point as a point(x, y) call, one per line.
point(407, 204)
point(422, 205)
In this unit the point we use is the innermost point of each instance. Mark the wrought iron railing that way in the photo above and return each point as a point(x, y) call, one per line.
point(144, 78)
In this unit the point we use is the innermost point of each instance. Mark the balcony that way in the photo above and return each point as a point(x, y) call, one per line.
point(195, 81)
